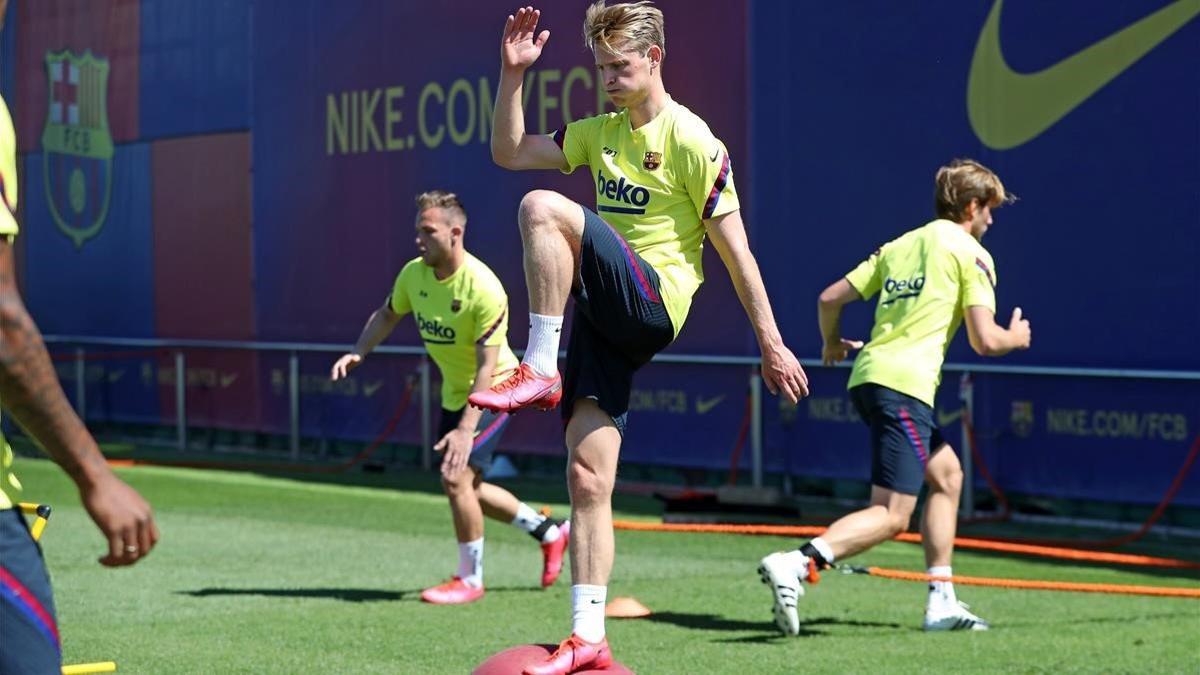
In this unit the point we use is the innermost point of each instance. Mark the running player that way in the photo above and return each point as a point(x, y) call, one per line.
point(928, 281)
point(663, 181)
point(461, 312)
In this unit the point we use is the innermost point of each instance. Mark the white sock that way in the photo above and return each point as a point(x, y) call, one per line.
point(470, 562)
point(542, 353)
point(941, 593)
point(587, 611)
point(529, 520)
point(823, 548)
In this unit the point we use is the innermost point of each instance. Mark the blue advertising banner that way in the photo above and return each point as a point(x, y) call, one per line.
point(120, 385)
point(685, 415)
point(850, 125)
point(356, 408)
point(1111, 440)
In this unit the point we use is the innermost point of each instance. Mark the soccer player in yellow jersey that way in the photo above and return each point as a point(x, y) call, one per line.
point(30, 392)
point(928, 281)
point(663, 182)
point(461, 312)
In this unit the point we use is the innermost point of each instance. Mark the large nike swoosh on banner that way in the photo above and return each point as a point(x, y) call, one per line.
point(1007, 108)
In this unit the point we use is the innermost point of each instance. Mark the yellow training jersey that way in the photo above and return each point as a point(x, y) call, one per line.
point(453, 315)
point(655, 186)
point(9, 486)
point(926, 279)
point(8, 172)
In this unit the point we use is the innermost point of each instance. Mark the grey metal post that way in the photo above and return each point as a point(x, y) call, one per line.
point(966, 393)
point(756, 459)
point(180, 402)
point(426, 421)
point(80, 385)
point(294, 405)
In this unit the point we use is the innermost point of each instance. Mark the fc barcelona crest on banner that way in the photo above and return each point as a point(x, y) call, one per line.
point(77, 146)
point(1022, 418)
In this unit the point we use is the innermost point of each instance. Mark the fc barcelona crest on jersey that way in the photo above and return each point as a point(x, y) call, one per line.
point(652, 160)
point(77, 146)
point(455, 305)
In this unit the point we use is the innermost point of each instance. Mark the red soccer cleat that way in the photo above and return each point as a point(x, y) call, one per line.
point(552, 554)
point(453, 592)
point(525, 389)
point(572, 656)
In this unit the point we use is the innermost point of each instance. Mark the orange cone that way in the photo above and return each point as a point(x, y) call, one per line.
point(626, 608)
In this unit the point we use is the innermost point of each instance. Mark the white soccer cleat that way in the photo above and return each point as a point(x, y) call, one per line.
point(954, 617)
point(786, 589)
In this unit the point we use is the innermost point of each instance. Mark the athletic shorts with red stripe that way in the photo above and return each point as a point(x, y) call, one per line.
point(903, 436)
point(619, 323)
point(488, 431)
point(29, 642)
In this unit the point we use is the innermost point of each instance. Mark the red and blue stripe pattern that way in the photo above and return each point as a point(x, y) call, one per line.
point(714, 195)
point(644, 287)
point(914, 439)
point(986, 270)
point(490, 431)
point(491, 330)
point(15, 593)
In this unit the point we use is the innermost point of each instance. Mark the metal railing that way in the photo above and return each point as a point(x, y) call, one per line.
point(294, 349)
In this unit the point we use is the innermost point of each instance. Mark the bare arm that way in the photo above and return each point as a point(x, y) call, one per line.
point(988, 338)
point(456, 445)
point(781, 370)
point(829, 316)
point(512, 148)
point(378, 327)
point(30, 390)
point(485, 370)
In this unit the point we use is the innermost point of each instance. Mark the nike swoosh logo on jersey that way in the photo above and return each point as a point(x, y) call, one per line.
point(1007, 109)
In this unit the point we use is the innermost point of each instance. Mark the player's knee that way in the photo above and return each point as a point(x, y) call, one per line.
point(586, 484)
point(539, 208)
point(949, 481)
point(459, 483)
point(899, 523)
point(946, 476)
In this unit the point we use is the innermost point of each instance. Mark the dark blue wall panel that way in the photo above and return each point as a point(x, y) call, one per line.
point(195, 66)
point(106, 286)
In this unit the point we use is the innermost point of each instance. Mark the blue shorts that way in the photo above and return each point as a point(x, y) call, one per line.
point(487, 434)
point(619, 324)
point(903, 436)
point(28, 628)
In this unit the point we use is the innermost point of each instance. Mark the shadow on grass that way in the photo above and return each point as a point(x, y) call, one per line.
point(1122, 619)
point(714, 622)
point(344, 594)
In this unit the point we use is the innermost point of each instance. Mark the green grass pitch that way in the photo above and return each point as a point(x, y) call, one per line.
point(258, 574)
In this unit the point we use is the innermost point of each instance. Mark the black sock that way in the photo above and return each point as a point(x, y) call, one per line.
point(812, 552)
point(540, 530)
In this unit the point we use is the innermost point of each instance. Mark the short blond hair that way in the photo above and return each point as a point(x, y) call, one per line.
point(963, 181)
point(628, 26)
point(441, 199)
